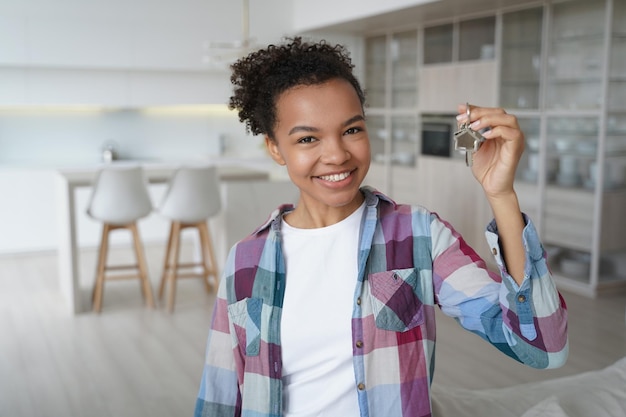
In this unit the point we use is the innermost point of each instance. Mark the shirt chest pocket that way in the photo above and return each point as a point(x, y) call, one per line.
point(245, 323)
point(395, 304)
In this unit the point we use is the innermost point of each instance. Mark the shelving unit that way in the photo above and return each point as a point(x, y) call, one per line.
point(391, 68)
point(561, 68)
point(573, 176)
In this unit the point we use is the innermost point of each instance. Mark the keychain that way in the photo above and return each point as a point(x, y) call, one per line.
point(468, 140)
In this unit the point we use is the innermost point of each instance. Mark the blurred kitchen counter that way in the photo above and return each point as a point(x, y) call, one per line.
point(249, 193)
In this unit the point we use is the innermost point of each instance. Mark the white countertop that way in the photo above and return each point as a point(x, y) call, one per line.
point(230, 167)
point(161, 172)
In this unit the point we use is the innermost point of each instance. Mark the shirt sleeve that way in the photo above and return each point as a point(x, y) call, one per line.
point(219, 389)
point(527, 322)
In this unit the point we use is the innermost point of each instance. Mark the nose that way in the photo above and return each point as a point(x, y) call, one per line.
point(334, 151)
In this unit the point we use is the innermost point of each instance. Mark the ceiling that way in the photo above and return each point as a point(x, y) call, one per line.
point(441, 10)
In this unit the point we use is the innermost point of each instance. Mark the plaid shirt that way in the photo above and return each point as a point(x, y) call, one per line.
point(409, 261)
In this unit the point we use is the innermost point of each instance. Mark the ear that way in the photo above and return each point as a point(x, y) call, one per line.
point(272, 148)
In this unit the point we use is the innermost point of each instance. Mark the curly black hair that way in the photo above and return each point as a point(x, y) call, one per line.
point(260, 77)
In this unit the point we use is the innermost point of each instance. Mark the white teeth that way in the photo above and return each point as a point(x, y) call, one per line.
point(335, 177)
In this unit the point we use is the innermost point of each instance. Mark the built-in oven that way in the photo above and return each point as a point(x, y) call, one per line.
point(437, 138)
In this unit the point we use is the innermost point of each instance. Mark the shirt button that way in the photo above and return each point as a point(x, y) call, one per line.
point(358, 301)
point(521, 298)
point(494, 251)
point(359, 344)
point(361, 386)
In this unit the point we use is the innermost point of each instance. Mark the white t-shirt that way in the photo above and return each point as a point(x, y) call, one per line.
point(316, 326)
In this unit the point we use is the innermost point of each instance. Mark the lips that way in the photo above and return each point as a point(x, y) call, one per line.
point(335, 177)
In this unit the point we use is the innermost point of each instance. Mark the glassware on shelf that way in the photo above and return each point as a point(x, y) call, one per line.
point(575, 55)
point(477, 39)
point(530, 164)
point(403, 140)
point(521, 58)
point(574, 141)
point(438, 41)
point(378, 136)
point(403, 54)
point(375, 70)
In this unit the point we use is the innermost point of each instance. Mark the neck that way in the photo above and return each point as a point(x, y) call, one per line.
point(306, 217)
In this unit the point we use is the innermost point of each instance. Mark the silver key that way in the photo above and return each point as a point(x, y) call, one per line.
point(468, 140)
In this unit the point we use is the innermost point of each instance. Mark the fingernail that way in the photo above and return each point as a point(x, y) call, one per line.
point(461, 117)
point(475, 124)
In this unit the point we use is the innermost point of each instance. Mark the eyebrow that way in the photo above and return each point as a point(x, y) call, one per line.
point(357, 118)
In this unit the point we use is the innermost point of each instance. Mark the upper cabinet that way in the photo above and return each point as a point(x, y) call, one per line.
point(575, 55)
point(403, 59)
point(439, 44)
point(521, 58)
point(572, 177)
point(461, 57)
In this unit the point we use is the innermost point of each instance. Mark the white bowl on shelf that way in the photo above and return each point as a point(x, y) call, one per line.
point(533, 143)
point(564, 144)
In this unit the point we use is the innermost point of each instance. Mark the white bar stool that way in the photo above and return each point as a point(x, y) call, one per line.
point(193, 196)
point(119, 199)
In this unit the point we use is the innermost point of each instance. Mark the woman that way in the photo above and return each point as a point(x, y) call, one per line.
point(328, 308)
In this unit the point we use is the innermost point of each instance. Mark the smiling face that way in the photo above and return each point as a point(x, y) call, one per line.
point(320, 136)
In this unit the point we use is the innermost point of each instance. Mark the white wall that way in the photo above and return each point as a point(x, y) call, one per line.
point(124, 53)
point(44, 138)
point(166, 34)
point(311, 15)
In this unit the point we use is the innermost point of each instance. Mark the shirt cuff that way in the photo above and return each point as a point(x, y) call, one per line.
point(519, 297)
point(534, 251)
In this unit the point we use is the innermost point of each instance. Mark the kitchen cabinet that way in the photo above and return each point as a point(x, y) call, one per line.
point(414, 73)
point(439, 44)
point(443, 87)
point(575, 50)
point(521, 58)
point(572, 177)
point(392, 91)
point(458, 65)
point(464, 40)
point(561, 68)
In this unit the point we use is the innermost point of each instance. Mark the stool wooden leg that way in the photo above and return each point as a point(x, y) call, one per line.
point(143, 267)
point(102, 258)
point(171, 277)
point(207, 249)
point(166, 262)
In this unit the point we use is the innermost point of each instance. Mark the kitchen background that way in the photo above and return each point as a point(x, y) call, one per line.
point(77, 76)
point(146, 79)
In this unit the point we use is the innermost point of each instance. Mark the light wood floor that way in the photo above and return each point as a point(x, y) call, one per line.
point(133, 361)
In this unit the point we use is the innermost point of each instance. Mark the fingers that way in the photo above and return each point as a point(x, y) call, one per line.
point(498, 122)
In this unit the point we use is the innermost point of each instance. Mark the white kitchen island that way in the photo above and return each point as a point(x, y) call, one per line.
point(248, 195)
